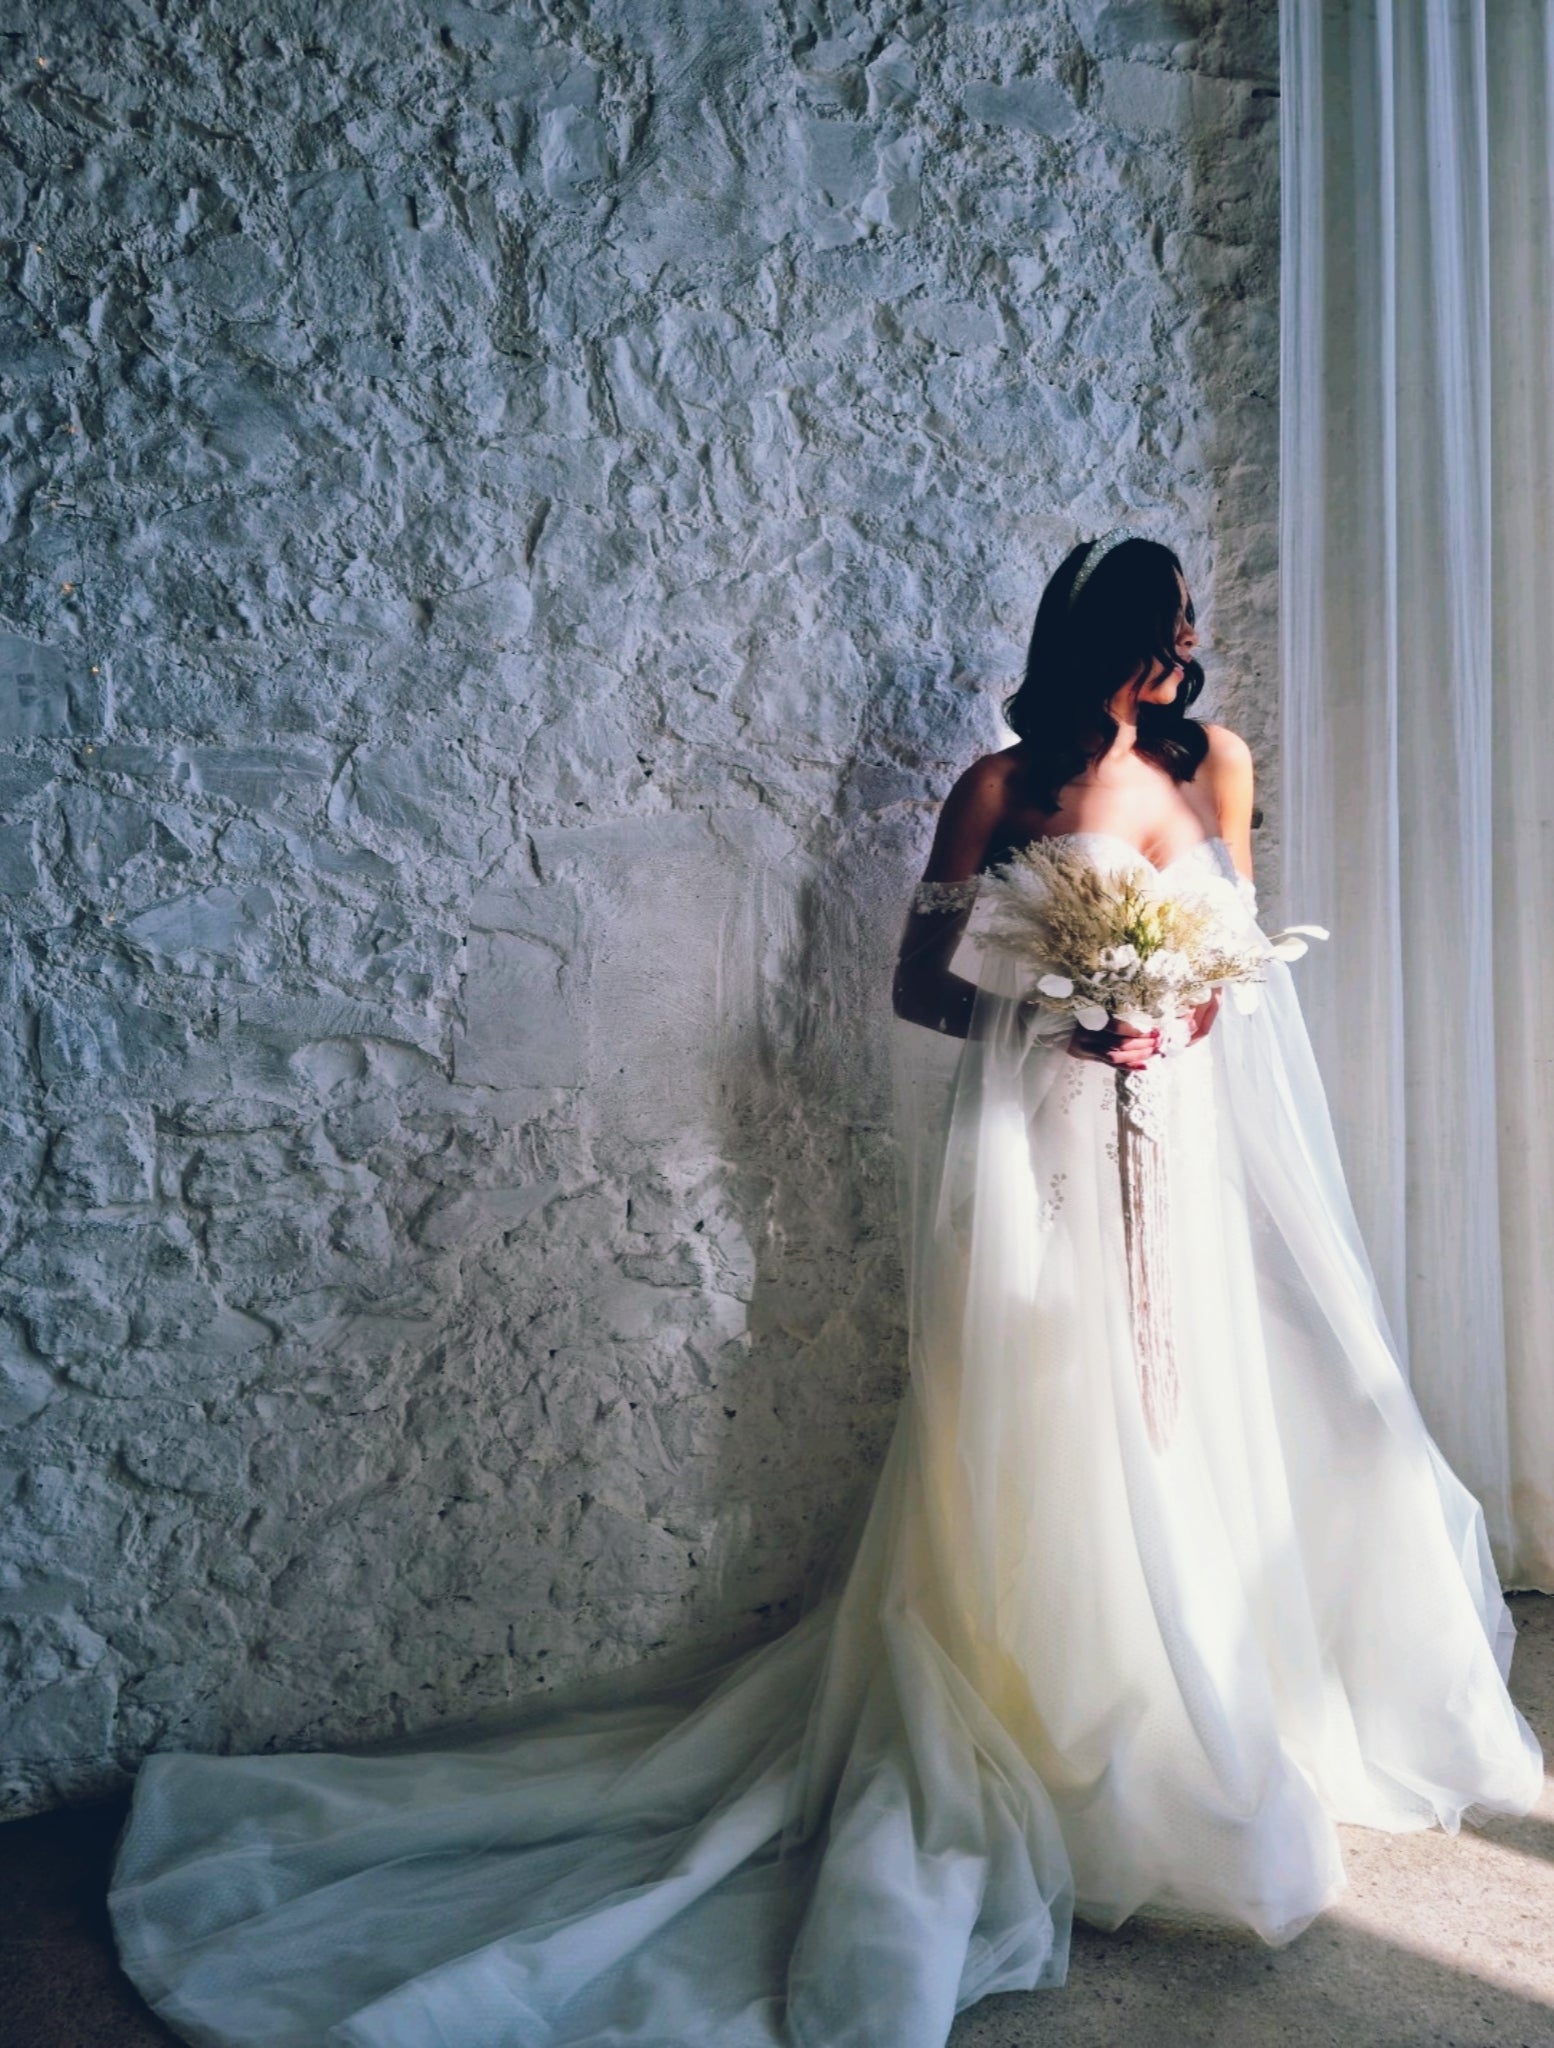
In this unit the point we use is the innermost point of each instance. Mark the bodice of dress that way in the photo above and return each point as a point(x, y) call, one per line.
point(1210, 854)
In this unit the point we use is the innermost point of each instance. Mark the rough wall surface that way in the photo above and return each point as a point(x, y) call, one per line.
point(514, 516)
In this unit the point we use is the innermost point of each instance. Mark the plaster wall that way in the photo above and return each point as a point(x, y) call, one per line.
point(513, 517)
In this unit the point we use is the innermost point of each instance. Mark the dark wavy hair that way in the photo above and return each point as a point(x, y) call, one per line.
point(1080, 657)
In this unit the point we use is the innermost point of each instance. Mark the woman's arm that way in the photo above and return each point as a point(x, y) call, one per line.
point(1228, 766)
point(924, 990)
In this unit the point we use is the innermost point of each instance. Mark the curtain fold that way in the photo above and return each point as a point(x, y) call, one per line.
point(1417, 740)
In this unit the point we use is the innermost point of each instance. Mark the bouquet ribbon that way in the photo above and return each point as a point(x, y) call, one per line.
point(1146, 1229)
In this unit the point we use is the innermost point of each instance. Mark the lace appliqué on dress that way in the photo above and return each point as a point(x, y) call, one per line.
point(1071, 1087)
point(946, 895)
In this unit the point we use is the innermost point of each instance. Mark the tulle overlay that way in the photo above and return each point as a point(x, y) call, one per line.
point(1061, 1671)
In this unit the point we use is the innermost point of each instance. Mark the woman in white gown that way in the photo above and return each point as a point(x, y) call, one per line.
point(1060, 1669)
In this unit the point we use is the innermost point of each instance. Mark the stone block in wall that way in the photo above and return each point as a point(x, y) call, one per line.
point(96, 1036)
point(521, 1029)
point(20, 873)
point(178, 1458)
point(105, 831)
point(466, 1218)
point(26, 1384)
point(207, 926)
point(289, 1024)
point(421, 797)
point(72, 1328)
point(687, 925)
point(46, 691)
point(1039, 106)
point(256, 778)
point(103, 1159)
point(69, 1722)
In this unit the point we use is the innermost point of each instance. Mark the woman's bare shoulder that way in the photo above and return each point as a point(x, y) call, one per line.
point(970, 816)
point(981, 793)
point(1228, 752)
point(1227, 769)
point(987, 779)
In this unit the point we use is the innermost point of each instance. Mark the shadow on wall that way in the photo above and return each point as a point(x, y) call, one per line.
point(744, 1315)
point(704, 1419)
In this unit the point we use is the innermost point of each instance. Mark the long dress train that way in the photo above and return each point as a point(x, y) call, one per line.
point(1061, 1671)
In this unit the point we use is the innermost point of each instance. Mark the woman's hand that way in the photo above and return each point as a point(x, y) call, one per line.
point(1117, 1045)
point(1203, 1017)
point(1114, 1045)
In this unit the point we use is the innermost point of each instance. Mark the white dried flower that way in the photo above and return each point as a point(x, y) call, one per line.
point(1170, 966)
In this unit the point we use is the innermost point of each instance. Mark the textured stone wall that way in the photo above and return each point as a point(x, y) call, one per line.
point(514, 516)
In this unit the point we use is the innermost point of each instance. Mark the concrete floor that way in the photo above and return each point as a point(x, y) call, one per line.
point(1440, 1942)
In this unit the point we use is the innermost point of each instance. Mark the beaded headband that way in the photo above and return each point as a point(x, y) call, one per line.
point(1094, 554)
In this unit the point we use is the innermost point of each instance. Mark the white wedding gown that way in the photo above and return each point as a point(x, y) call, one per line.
point(1059, 1672)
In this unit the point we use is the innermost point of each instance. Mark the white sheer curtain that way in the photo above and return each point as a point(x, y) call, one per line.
point(1417, 575)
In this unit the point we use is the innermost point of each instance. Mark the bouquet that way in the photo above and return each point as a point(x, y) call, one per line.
point(1127, 945)
point(1131, 946)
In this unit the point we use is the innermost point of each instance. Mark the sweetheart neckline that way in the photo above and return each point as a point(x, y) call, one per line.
point(1208, 839)
point(961, 895)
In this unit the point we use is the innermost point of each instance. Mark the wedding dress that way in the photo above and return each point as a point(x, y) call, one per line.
point(1059, 1672)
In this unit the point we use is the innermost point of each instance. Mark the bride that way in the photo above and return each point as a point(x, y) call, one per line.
point(1062, 1668)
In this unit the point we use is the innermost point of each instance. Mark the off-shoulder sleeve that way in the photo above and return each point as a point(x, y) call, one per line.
point(946, 895)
